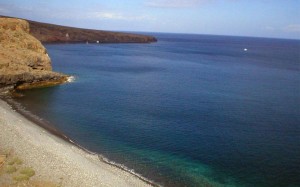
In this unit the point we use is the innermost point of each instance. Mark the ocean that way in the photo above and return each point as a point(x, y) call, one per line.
point(189, 110)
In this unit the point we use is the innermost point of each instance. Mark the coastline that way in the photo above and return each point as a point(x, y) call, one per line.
point(58, 158)
point(52, 33)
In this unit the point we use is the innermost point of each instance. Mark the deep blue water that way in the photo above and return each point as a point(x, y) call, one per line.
point(189, 110)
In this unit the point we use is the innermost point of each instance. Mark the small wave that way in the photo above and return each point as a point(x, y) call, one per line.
point(71, 79)
point(124, 168)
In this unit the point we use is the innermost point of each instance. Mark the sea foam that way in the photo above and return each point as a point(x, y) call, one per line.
point(71, 79)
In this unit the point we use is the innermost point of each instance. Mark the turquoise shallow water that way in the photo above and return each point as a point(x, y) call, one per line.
point(189, 110)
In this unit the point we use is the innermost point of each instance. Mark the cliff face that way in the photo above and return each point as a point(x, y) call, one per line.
point(23, 59)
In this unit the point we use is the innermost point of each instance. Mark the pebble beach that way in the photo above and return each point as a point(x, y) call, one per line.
point(53, 160)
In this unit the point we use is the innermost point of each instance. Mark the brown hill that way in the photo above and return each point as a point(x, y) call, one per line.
point(24, 61)
point(50, 33)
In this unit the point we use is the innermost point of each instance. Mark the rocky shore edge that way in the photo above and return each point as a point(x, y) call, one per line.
point(24, 61)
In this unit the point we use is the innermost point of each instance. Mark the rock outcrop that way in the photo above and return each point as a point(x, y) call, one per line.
point(24, 62)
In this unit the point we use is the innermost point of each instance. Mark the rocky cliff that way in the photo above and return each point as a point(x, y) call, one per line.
point(24, 62)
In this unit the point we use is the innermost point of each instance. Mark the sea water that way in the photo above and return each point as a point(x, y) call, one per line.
point(189, 110)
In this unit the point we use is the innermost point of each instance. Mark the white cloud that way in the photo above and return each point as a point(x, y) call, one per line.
point(43, 11)
point(117, 16)
point(292, 28)
point(106, 15)
point(269, 28)
point(175, 3)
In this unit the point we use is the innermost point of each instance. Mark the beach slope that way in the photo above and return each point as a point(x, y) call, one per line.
point(53, 159)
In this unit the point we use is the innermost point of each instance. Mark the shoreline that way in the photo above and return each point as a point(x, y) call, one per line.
point(27, 121)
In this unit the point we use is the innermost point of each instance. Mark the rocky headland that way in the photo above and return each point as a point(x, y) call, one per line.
point(24, 62)
point(51, 33)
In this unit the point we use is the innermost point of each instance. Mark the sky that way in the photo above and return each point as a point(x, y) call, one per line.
point(258, 18)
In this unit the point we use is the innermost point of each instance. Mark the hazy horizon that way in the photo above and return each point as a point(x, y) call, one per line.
point(270, 19)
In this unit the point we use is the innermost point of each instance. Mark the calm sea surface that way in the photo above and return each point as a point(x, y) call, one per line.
point(189, 110)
